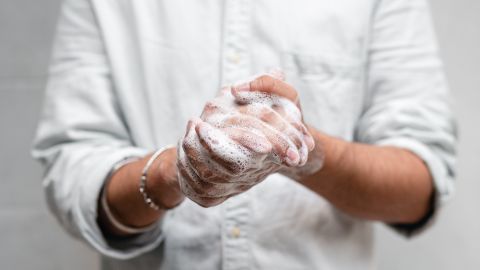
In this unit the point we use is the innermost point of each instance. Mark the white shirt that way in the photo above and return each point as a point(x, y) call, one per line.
point(127, 75)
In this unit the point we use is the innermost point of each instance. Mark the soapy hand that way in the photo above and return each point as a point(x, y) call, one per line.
point(242, 136)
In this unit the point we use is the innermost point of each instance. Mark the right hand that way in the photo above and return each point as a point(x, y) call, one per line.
point(238, 141)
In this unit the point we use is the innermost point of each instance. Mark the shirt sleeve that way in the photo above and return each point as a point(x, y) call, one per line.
point(407, 104)
point(82, 132)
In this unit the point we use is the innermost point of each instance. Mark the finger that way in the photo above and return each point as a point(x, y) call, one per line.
point(276, 121)
point(210, 108)
point(293, 114)
point(287, 109)
point(198, 159)
point(195, 186)
point(307, 136)
point(267, 84)
point(273, 119)
point(202, 201)
point(284, 150)
point(186, 172)
point(217, 107)
point(192, 149)
point(192, 182)
point(227, 152)
point(254, 141)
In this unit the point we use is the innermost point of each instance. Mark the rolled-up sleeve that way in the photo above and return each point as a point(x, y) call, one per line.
point(82, 132)
point(407, 105)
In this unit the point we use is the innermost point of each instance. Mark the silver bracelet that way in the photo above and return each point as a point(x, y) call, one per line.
point(143, 179)
point(110, 216)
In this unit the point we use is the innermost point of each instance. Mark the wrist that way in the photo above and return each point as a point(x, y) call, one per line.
point(162, 182)
point(333, 154)
point(126, 202)
point(336, 152)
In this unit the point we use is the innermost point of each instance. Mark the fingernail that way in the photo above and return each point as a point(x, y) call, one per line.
point(292, 156)
point(309, 142)
point(242, 87)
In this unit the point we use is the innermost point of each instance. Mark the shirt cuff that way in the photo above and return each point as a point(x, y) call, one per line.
point(442, 182)
point(85, 212)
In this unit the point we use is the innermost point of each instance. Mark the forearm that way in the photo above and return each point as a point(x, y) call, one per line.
point(126, 202)
point(372, 182)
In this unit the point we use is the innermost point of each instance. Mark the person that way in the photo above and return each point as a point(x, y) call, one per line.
point(280, 171)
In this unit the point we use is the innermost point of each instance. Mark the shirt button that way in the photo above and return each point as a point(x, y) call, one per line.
point(234, 58)
point(235, 232)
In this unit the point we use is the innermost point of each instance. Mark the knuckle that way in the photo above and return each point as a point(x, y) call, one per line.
point(235, 171)
point(207, 187)
point(186, 145)
point(189, 124)
point(211, 105)
point(265, 82)
point(205, 174)
point(279, 109)
point(267, 115)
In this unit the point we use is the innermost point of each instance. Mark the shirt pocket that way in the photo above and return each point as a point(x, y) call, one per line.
point(330, 88)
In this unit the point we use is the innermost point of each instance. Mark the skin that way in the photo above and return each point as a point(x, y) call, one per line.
point(125, 201)
point(386, 184)
point(267, 135)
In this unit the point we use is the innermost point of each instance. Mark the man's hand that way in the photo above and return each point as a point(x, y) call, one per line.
point(381, 183)
point(242, 136)
point(276, 85)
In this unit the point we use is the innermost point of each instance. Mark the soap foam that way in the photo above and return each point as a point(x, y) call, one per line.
point(246, 165)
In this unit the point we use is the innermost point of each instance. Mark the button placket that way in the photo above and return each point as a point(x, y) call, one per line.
point(235, 233)
point(235, 67)
point(236, 36)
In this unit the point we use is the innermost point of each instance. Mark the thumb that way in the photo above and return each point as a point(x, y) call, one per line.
point(268, 85)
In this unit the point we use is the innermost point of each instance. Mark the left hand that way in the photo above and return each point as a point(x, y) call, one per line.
point(274, 84)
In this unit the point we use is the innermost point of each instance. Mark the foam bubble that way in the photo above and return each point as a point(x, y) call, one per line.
point(246, 166)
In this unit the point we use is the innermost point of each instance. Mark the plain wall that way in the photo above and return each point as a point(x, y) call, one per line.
point(32, 239)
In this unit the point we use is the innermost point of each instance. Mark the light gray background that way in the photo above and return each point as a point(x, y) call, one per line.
point(31, 239)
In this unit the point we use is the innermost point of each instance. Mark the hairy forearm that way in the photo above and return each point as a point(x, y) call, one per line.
point(126, 202)
point(372, 182)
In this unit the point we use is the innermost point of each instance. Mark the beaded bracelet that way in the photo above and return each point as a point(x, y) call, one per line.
point(106, 209)
point(143, 180)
